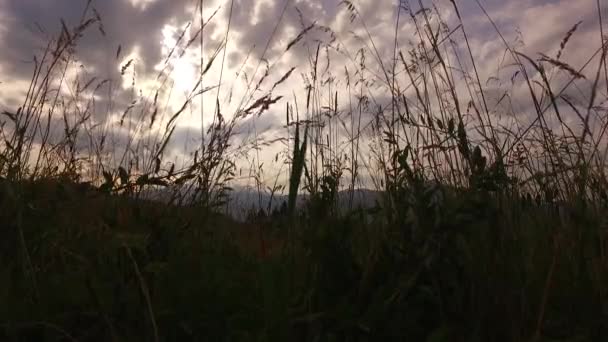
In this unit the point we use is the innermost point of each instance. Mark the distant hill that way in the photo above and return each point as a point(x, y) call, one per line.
point(242, 201)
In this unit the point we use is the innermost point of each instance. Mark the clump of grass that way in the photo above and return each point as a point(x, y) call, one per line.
point(486, 225)
point(297, 167)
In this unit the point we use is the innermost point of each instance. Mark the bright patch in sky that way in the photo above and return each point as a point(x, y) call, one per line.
point(182, 71)
point(128, 65)
point(260, 6)
point(141, 4)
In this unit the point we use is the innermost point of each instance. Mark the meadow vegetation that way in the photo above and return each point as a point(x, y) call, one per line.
point(491, 226)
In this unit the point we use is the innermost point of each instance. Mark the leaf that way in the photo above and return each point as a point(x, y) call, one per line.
point(171, 170)
point(146, 180)
point(157, 166)
point(439, 124)
point(299, 36)
point(157, 181)
point(284, 78)
point(463, 143)
point(477, 153)
point(109, 182)
point(124, 176)
point(479, 161)
point(124, 68)
point(10, 115)
point(181, 180)
point(142, 180)
point(105, 187)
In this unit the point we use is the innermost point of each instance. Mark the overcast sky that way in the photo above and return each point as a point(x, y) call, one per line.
point(145, 30)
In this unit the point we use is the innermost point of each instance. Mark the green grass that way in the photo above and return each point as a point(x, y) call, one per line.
point(487, 229)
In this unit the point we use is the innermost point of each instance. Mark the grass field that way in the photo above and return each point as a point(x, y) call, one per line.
point(490, 226)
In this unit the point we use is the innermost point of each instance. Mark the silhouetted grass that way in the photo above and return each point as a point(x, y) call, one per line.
point(490, 226)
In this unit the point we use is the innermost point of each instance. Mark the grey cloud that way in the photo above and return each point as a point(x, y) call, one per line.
point(132, 27)
point(256, 35)
point(123, 24)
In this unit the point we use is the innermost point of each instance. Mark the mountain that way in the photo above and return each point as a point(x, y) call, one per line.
point(243, 201)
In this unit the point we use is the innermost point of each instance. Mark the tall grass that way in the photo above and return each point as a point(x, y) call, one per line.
point(488, 225)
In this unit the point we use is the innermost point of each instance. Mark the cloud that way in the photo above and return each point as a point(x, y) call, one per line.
point(146, 29)
point(30, 23)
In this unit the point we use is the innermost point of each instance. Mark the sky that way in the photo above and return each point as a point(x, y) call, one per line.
point(146, 31)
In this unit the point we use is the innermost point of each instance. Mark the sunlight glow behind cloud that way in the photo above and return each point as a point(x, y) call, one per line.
point(184, 68)
point(148, 30)
point(141, 4)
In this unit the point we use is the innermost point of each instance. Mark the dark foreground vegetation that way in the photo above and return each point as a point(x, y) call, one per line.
point(466, 265)
point(487, 229)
